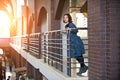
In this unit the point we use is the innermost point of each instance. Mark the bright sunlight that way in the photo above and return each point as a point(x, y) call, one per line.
point(1, 51)
point(4, 25)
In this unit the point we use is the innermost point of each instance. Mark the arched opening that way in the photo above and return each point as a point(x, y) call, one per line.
point(59, 9)
point(6, 17)
point(42, 20)
point(42, 23)
point(30, 24)
point(4, 25)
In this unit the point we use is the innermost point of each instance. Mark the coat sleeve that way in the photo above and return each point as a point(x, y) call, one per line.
point(74, 31)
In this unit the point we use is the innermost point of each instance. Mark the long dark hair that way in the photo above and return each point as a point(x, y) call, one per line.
point(69, 18)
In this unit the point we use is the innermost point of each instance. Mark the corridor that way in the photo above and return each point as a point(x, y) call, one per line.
point(59, 40)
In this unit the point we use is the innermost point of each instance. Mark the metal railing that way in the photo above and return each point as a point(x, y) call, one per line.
point(54, 48)
point(35, 44)
point(16, 40)
point(56, 51)
point(25, 42)
point(32, 44)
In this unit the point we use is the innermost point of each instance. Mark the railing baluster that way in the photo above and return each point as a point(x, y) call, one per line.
point(52, 46)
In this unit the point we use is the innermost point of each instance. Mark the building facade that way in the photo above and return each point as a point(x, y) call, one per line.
point(39, 43)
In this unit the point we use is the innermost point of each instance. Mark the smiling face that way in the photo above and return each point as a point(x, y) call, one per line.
point(65, 19)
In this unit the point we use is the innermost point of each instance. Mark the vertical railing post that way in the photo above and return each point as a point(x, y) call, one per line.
point(40, 55)
point(44, 47)
point(64, 51)
point(28, 37)
point(73, 67)
point(22, 41)
point(68, 54)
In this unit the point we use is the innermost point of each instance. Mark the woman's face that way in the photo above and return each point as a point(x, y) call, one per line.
point(65, 19)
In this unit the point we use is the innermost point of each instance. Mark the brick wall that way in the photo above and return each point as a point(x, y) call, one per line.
point(55, 24)
point(104, 39)
point(33, 72)
point(50, 7)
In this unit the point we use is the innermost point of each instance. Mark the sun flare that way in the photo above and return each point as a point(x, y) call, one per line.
point(4, 25)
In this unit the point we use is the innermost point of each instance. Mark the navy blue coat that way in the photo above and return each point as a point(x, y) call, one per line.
point(76, 44)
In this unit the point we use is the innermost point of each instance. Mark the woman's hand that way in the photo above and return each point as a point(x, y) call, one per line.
point(67, 28)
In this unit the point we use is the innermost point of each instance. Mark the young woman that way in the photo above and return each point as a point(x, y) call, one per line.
point(76, 45)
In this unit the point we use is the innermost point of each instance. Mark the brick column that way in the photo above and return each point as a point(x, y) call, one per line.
point(37, 74)
point(104, 39)
point(30, 70)
point(55, 24)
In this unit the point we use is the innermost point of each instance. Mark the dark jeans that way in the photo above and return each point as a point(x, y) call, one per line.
point(80, 59)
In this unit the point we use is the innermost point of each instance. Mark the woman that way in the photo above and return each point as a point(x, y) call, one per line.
point(76, 45)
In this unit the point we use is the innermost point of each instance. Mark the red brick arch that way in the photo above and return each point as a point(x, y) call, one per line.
point(41, 17)
point(42, 12)
point(59, 9)
point(3, 6)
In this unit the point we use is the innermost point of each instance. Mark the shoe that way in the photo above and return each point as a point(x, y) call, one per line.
point(82, 70)
point(79, 74)
point(85, 68)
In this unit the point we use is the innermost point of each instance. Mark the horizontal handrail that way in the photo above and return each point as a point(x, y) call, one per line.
point(52, 46)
